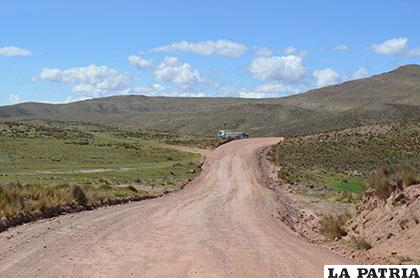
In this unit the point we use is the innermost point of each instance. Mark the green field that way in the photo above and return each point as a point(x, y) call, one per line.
point(342, 160)
point(46, 160)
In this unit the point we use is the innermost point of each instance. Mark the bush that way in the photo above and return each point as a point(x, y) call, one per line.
point(79, 195)
point(333, 226)
point(21, 199)
point(359, 244)
point(346, 197)
point(131, 188)
point(386, 180)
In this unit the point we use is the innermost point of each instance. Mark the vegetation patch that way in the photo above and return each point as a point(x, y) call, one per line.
point(24, 203)
point(48, 167)
point(332, 227)
point(358, 244)
point(386, 180)
point(343, 160)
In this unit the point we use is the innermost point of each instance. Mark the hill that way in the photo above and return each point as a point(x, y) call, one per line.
point(391, 96)
point(343, 159)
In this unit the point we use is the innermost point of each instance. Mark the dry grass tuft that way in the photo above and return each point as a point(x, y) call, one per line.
point(359, 244)
point(23, 199)
point(333, 226)
point(386, 180)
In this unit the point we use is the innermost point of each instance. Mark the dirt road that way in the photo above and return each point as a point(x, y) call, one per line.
point(222, 225)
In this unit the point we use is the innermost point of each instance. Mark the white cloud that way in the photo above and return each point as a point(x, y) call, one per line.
point(414, 52)
point(90, 81)
point(67, 100)
point(154, 90)
point(360, 73)
point(139, 62)
point(326, 77)
point(263, 51)
point(220, 47)
point(341, 47)
point(172, 70)
point(252, 94)
point(268, 90)
point(289, 50)
point(293, 51)
point(271, 88)
point(397, 46)
point(14, 98)
point(160, 90)
point(10, 51)
point(278, 68)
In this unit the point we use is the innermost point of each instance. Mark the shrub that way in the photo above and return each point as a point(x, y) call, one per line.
point(386, 180)
point(381, 184)
point(346, 197)
point(333, 226)
point(131, 188)
point(359, 244)
point(79, 195)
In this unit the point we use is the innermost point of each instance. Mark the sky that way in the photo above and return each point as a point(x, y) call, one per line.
point(63, 51)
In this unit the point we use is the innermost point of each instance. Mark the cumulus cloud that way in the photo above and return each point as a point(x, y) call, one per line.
point(289, 50)
point(414, 52)
point(91, 81)
point(326, 77)
point(139, 62)
point(268, 90)
point(396, 46)
point(293, 51)
point(161, 90)
point(10, 51)
point(278, 68)
point(152, 90)
point(174, 71)
point(263, 51)
point(252, 94)
point(341, 47)
point(14, 98)
point(360, 73)
point(220, 47)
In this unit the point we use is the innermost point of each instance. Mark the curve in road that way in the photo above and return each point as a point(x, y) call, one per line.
point(221, 225)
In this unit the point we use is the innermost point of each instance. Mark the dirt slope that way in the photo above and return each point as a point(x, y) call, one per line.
point(390, 225)
point(222, 225)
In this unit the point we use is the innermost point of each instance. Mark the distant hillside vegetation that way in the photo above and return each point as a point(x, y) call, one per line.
point(392, 96)
point(344, 159)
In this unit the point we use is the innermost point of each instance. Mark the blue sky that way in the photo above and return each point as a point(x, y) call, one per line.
point(60, 51)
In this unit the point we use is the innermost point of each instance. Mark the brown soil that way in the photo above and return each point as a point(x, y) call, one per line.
point(390, 226)
point(224, 224)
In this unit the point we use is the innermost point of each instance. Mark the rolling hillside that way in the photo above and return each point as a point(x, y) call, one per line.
point(386, 97)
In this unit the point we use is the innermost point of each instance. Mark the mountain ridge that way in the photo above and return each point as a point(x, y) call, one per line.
point(390, 96)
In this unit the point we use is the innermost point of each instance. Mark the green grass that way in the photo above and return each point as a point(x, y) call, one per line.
point(44, 160)
point(343, 160)
point(350, 184)
point(35, 158)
